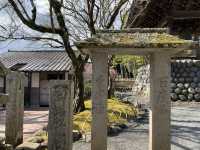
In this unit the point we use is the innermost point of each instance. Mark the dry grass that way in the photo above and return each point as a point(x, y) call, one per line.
point(118, 113)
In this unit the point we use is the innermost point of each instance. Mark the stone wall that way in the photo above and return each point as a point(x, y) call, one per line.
point(185, 81)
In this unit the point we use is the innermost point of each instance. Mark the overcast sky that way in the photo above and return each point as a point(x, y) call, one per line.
point(42, 18)
point(42, 8)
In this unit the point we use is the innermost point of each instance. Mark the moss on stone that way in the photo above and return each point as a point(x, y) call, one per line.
point(133, 40)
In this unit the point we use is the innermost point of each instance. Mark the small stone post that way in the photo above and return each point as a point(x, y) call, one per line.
point(14, 108)
point(60, 115)
point(160, 103)
point(99, 100)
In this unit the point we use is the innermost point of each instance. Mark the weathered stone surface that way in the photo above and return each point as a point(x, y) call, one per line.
point(99, 101)
point(160, 105)
point(28, 146)
point(3, 98)
point(174, 96)
point(142, 84)
point(182, 97)
point(60, 115)
point(15, 108)
point(185, 80)
point(191, 90)
point(190, 96)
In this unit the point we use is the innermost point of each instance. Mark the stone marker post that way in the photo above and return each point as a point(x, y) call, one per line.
point(60, 115)
point(160, 102)
point(14, 108)
point(99, 101)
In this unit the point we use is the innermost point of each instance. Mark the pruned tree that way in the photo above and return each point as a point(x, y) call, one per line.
point(67, 21)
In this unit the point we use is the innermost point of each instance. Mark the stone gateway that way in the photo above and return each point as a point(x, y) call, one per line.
point(155, 43)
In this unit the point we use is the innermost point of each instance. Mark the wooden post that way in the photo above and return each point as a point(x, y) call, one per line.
point(60, 115)
point(99, 101)
point(160, 104)
point(14, 108)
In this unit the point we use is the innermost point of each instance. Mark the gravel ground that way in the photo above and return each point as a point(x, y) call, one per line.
point(185, 133)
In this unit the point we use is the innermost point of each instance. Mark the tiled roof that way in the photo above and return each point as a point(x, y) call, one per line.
point(36, 60)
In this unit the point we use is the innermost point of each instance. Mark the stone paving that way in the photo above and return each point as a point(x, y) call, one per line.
point(185, 130)
point(185, 133)
point(34, 120)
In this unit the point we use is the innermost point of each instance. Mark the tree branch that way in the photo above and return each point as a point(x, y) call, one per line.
point(4, 6)
point(24, 10)
point(64, 34)
point(31, 24)
point(115, 13)
point(33, 38)
point(90, 6)
point(34, 11)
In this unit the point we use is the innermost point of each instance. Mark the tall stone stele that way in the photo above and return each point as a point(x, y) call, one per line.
point(13, 98)
point(60, 115)
point(3, 73)
point(14, 108)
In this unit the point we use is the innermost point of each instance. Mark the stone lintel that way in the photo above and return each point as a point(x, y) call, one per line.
point(134, 51)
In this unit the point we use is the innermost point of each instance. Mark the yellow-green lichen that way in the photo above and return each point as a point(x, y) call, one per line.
point(134, 40)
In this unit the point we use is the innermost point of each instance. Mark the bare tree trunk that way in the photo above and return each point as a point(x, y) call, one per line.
point(110, 87)
point(79, 90)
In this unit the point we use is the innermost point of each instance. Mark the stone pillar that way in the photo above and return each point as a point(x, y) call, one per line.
point(14, 108)
point(99, 101)
point(60, 115)
point(160, 104)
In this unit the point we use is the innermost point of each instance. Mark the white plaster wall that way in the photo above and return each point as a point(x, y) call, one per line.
point(66, 75)
point(36, 79)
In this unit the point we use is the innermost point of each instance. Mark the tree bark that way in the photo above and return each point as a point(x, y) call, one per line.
point(79, 89)
point(110, 87)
